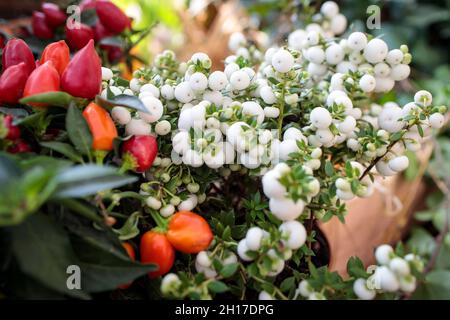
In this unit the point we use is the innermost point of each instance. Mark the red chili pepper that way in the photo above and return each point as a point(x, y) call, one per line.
point(101, 32)
point(40, 27)
point(83, 75)
point(188, 232)
point(102, 127)
point(12, 83)
point(112, 17)
point(13, 130)
point(115, 53)
point(78, 38)
point(155, 248)
point(44, 79)
point(87, 4)
point(19, 146)
point(142, 149)
point(58, 53)
point(2, 41)
point(54, 16)
point(15, 52)
point(130, 251)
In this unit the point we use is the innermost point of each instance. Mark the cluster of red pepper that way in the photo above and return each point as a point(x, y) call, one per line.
point(80, 77)
point(186, 232)
point(111, 21)
point(23, 76)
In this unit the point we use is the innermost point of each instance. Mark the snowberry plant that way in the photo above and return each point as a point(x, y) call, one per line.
point(302, 124)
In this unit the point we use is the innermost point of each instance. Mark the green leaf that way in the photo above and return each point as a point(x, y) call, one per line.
point(355, 268)
point(43, 252)
point(349, 169)
point(396, 136)
point(84, 180)
point(229, 269)
point(287, 284)
point(78, 130)
point(122, 100)
point(54, 98)
point(421, 241)
point(273, 80)
point(329, 170)
point(24, 195)
point(130, 228)
point(217, 287)
point(63, 148)
point(104, 262)
point(104, 267)
point(437, 284)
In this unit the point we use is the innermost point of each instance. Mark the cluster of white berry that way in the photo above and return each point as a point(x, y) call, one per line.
point(204, 263)
point(281, 204)
point(185, 196)
point(259, 244)
point(393, 274)
point(326, 24)
point(137, 123)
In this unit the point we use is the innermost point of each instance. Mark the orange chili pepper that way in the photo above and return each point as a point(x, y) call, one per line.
point(102, 127)
point(58, 53)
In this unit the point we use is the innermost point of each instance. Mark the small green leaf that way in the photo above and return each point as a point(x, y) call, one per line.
point(228, 270)
point(78, 130)
point(355, 268)
point(329, 170)
point(217, 287)
point(122, 100)
point(130, 228)
point(348, 169)
point(54, 98)
point(396, 136)
point(287, 284)
point(273, 80)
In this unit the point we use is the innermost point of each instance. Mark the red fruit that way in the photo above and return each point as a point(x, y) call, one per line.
point(12, 83)
point(2, 41)
point(188, 232)
point(58, 53)
point(101, 32)
point(44, 79)
point(115, 53)
point(15, 52)
point(40, 27)
point(13, 130)
point(78, 38)
point(155, 248)
point(83, 75)
point(143, 149)
point(19, 146)
point(112, 17)
point(87, 4)
point(54, 16)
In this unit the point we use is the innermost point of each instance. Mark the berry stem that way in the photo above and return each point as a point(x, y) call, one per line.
point(281, 107)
